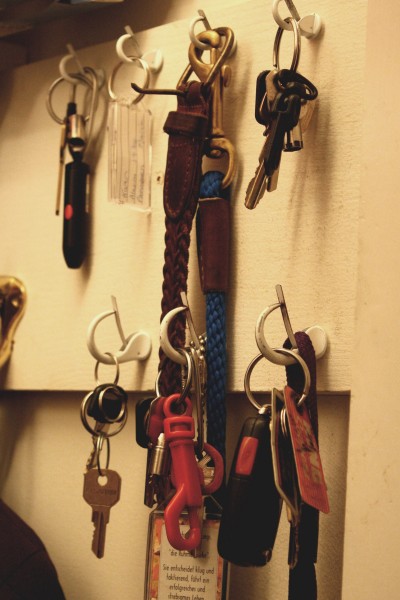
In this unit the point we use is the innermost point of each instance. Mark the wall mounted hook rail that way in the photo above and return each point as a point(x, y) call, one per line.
point(310, 25)
point(136, 346)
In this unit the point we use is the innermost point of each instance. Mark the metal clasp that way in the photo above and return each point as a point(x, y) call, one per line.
point(217, 75)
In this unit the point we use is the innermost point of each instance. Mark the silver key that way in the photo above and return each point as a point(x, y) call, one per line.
point(101, 498)
point(260, 182)
point(257, 186)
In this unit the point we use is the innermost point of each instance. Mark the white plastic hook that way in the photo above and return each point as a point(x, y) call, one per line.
point(136, 346)
point(154, 58)
point(82, 71)
point(193, 37)
point(310, 25)
point(316, 333)
point(165, 344)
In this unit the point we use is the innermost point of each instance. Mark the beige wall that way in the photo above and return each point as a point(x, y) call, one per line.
point(305, 237)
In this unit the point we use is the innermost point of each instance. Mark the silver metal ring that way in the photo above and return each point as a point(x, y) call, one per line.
point(121, 412)
point(93, 431)
point(96, 369)
point(296, 47)
point(114, 72)
point(247, 376)
point(79, 79)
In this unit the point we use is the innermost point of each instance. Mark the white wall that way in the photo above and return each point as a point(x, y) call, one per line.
point(304, 236)
point(372, 529)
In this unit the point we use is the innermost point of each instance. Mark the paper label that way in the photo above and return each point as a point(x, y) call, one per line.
point(176, 574)
point(129, 155)
point(306, 454)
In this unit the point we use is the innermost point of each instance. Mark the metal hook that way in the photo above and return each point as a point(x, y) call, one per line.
point(310, 26)
point(317, 335)
point(136, 346)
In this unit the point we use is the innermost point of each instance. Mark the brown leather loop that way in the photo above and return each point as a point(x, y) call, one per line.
point(213, 244)
point(187, 128)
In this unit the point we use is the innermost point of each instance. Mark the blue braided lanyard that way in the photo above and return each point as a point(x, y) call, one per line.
point(216, 339)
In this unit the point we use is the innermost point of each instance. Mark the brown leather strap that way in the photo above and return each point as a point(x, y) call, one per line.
point(187, 129)
point(213, 244)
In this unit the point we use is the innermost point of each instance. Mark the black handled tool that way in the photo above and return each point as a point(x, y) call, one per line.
point(75, 213)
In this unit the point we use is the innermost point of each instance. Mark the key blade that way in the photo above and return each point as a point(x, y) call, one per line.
point(256, 188)
point(100, 518)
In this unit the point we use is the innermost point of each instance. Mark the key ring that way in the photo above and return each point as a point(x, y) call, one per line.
point(93, 431)
point(114, 72)
point(296, 47)
point(79, 79)
point(96, 369)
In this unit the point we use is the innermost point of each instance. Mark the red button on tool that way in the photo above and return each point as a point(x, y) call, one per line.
point(246, 455)
point(68, 212)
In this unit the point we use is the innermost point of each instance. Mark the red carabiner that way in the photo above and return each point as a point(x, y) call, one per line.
point(179, 432)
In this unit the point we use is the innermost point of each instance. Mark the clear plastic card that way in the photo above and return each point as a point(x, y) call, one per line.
point(129, 155)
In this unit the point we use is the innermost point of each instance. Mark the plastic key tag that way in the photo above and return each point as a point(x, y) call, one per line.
point(172, 573)
point(306, 453)
point(129, 155)
point(282, 458)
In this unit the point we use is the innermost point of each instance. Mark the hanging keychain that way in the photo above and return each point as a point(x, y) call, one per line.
point(129, 131)
point(76, 134)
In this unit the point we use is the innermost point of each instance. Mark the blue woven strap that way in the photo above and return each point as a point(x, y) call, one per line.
point(216, 342)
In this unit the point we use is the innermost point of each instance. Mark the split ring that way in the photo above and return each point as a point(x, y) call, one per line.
point(296, 47)
point(96, 369)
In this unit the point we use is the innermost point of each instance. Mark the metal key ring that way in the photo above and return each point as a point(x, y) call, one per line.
point(79, 79)
point(247, 376)
point(96, 369)
point(122, 411)
point(296, 47)
point(114, 72)
point(91, 430)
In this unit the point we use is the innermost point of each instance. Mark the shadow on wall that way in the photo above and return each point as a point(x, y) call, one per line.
point(15, 416)
point(271, 581)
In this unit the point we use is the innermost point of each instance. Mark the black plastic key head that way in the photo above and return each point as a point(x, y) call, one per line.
point(252, 508)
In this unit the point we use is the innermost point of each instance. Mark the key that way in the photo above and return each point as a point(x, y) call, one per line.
point(101, 498)
point(257, 186)
point(287, 109)
point(252, 507)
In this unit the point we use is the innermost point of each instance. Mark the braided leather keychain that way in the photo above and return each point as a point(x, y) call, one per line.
point(187, 129)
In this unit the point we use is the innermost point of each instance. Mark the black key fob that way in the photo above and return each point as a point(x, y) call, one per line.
point(251, 513)
point(142, 409)
point(75, 213)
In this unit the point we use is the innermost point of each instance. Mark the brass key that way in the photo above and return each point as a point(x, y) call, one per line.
point(101, 498)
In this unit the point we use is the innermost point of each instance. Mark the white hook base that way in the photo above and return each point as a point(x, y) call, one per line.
point(310, 26)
